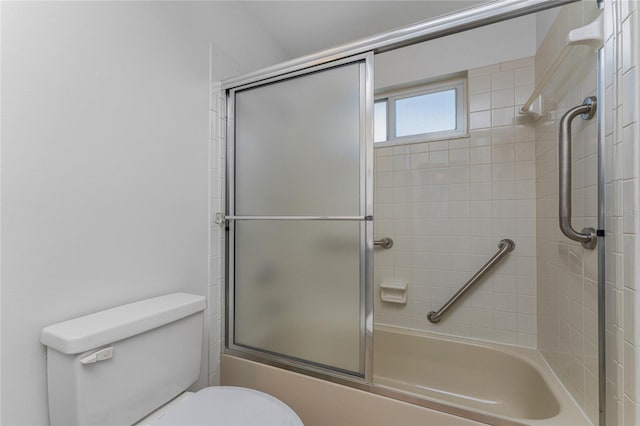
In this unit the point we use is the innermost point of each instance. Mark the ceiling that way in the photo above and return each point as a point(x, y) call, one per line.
point(303, 27)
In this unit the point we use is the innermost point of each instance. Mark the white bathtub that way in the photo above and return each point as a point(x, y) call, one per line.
point(508, 382)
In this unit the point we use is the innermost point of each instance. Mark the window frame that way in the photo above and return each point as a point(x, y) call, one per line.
point(458, 84)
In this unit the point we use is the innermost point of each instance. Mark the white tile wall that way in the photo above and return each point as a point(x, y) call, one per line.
point(622, 195)
point(567, 273)
point(448, 203)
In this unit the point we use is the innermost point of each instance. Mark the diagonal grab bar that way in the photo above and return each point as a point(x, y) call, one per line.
point(504, 247)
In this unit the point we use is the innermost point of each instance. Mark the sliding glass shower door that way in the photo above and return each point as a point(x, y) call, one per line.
point(299, 214)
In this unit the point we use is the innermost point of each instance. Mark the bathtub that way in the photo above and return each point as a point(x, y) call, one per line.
point(507, 382)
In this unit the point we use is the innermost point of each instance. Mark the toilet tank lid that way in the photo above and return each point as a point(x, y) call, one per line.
point(104, 327)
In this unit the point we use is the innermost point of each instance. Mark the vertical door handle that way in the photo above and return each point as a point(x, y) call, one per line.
point(587, 236)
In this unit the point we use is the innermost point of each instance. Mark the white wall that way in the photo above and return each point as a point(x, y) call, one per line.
point(105, 163)
point(492, 44)
point(544, 21)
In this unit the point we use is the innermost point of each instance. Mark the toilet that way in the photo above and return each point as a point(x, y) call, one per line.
point(132, 364)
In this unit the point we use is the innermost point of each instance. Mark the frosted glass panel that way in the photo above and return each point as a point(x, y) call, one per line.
point(298, 145)
point(297, 290)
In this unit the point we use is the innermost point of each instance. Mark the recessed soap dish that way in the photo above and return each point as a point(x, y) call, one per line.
point(391, 292)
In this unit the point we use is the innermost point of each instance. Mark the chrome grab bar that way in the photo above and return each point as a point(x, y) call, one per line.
point(587, 236)
point(385, 242)
point(504, 247)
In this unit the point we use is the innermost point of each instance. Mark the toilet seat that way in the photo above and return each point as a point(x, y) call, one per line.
point(230, 406)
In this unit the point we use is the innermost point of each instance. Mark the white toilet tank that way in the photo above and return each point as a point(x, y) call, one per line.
point(116, 366)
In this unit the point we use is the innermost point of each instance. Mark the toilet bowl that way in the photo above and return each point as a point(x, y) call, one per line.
point(117, 366)
point(226, 405)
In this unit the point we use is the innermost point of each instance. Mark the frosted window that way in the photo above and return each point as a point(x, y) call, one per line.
point(433, 112)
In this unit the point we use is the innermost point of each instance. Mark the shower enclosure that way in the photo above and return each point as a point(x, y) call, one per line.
point(323, 281)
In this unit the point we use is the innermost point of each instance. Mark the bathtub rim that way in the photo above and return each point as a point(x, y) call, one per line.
point(569, 413)
point(360, 384)
point(569, 410)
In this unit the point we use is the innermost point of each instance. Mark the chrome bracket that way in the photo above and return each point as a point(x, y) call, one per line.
point(386, 242)
point(592, 103)
point(218, 219)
